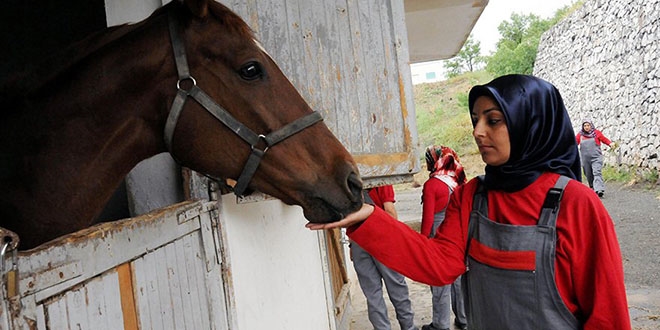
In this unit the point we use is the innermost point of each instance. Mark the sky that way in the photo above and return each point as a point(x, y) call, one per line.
point(485, 31)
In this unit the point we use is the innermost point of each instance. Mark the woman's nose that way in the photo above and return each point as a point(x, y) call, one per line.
point(478, 130)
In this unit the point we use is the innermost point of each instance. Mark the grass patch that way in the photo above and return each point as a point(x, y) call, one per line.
point(442, 112)
point(616, 174)
point(639, 177)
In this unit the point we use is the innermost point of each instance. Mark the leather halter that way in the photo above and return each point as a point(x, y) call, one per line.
point(223, 116)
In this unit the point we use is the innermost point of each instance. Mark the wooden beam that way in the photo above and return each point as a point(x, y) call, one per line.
point(129, 311)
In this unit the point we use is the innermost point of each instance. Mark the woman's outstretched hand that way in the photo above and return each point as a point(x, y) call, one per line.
point(351, 219)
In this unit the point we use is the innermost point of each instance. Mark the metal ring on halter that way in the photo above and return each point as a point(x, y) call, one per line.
point(261, 137)
point(3, 250)
point(178, 82)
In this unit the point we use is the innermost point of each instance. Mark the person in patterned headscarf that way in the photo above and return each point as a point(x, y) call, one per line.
point(589, 140)
point(445, 175)
point(536, 248)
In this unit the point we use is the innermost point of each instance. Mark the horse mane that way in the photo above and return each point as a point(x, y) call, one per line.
point(17, 86)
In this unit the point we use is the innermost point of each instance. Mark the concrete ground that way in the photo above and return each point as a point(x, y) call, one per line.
point(420, 296)
point(644, 307)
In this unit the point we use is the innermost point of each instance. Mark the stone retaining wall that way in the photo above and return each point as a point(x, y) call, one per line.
point(605, 60)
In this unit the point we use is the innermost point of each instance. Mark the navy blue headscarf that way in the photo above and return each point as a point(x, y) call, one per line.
point(540, 132)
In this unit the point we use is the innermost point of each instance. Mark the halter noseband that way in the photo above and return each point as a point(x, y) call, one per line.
point(223, 116)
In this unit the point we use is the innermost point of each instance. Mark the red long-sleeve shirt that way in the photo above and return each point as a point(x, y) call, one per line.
point(598, 138)
point(382, 194)
point(435, 198)
point(588, 263)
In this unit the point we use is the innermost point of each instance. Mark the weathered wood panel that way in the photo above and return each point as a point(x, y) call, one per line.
point(94, 305)
point(167, 281)
point(157, 271)
point(349, 60)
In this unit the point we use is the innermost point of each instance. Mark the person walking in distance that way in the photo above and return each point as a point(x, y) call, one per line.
point(445, 175)
point(372, 274)
point(589, 140)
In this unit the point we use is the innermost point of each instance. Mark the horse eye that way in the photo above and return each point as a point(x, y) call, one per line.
point(251, 71)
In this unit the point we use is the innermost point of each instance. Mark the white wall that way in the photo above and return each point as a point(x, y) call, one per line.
point(277, 267)
point(427, 72)
point(129, 11)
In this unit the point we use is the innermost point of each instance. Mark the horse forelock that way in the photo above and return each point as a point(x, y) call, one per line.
point(231, 20)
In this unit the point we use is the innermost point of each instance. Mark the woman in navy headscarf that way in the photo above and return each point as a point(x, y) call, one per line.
point(536, 248)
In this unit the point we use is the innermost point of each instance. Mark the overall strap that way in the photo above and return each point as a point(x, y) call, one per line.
point(367, 198)
point(552, 202)
point(547, 218)
point(479, 204)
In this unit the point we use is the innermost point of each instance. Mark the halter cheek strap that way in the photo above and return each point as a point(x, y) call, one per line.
point(223, 115)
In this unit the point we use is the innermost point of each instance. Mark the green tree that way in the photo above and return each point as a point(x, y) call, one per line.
point(520, 36)
point(516, 50)
point(468, 59)
point(452, 68)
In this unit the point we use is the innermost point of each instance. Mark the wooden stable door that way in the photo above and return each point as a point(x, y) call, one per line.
point(337, 269)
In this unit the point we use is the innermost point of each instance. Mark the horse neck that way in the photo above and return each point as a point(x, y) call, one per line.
point(116, 101)
point(93, 123)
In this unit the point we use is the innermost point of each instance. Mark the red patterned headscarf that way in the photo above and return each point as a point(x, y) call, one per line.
point(444, 164)
point(591, 133)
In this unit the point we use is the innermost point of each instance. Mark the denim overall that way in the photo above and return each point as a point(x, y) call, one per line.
point(592, 163)
point(442, 295)
point(510, 282)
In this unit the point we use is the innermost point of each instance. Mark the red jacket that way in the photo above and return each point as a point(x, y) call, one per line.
point(588, 264)
point(599, 138)
point(435, 198)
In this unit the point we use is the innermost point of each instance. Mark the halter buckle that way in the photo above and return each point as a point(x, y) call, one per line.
point(261, 137)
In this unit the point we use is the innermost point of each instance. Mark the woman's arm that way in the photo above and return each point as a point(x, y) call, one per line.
point(390, 209)
point(432, 261)
point(437, 261)
point(602, 138)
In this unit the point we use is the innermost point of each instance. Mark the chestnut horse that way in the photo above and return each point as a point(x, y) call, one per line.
point(191, 80)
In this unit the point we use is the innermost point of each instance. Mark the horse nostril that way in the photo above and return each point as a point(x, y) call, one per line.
point(355, 187)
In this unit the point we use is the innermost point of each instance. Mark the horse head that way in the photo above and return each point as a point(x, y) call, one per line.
point(308, 167)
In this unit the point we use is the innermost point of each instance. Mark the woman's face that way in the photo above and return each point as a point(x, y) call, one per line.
point(490, 131)
point(586, 127)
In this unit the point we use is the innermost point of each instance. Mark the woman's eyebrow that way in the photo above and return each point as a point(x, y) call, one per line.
point(486, 111)
point(492, 109)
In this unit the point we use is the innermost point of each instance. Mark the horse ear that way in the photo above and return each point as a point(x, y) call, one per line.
point(199, 8)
